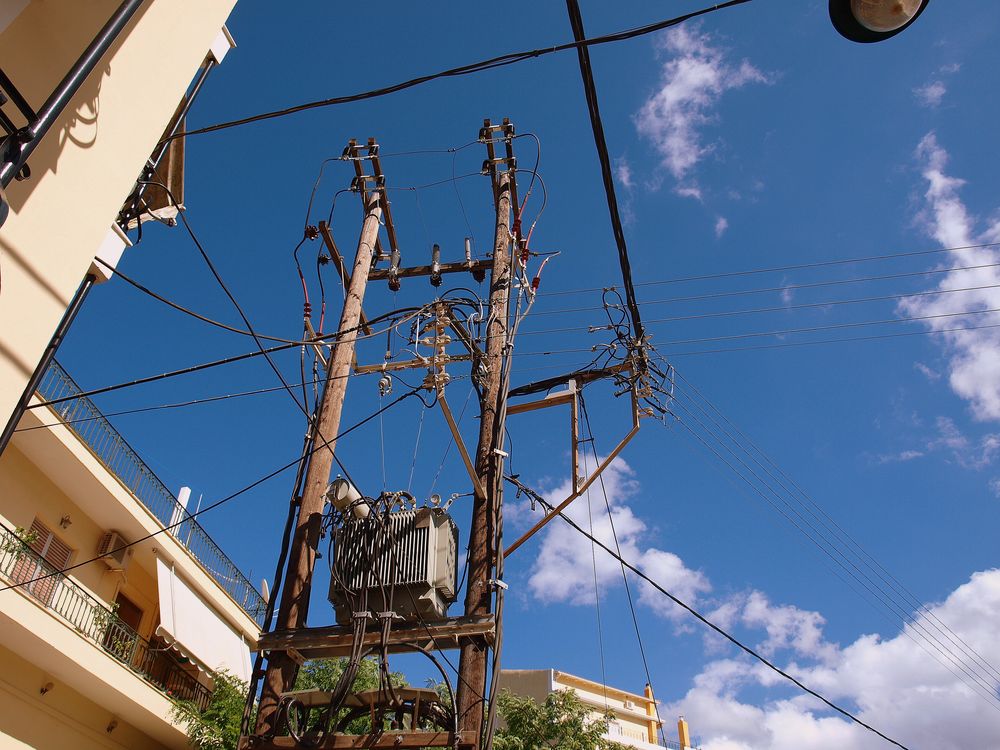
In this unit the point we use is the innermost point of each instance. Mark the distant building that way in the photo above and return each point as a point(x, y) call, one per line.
point(633, 717)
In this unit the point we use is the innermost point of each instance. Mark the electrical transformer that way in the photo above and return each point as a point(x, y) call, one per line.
point(408, 555)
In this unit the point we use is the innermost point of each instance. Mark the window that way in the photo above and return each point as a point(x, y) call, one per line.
point(51, 549)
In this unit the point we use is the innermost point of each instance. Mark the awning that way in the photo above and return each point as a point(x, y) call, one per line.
point(189, 625)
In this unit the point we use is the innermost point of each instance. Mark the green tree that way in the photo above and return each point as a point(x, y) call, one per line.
point(561, 721)
point(218, 726)
point(323, 674)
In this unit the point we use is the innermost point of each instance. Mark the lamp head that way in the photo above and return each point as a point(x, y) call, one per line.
point(867, 21)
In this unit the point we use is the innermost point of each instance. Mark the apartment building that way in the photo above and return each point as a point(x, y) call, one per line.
point(97, 639)
point(633, 717)
point(94, 657)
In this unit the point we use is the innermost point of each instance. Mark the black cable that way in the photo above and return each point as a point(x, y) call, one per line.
point(213, 363)
point(217, 503)
point(225, 288)
point(777, 269)
point(832, 327)
point(840, 535)
point(159, 407)
point(842, 340)
point(286, 537)
point(785, 288)
point(628, 588)
point(583, 53)
point(186, 311)
point(704, 620)
point(495, 62)
point(831, 550)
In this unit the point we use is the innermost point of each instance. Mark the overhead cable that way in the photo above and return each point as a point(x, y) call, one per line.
point(821, 342)
point(776, 496)
point(319, 445)
point(704, 620)
point(509, 58)
point(910, 600)
point(793, 267)
point(590, 90)
point(783, 288)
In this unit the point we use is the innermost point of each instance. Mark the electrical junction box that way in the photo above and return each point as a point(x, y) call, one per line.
point(406, 561)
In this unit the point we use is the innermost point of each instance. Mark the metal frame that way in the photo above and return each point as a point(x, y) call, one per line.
point(571, 396)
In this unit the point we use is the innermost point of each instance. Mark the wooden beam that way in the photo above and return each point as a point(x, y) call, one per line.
point(387, 739)
point(409, 364)
point(336, 640)
point(457, 267)
point(338, 261)
point(553, 399)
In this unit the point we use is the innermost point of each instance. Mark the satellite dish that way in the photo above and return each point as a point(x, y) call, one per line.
point(265, 590)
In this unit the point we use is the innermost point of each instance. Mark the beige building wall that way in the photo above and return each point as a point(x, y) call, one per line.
point(85, 167)
point(59, 717)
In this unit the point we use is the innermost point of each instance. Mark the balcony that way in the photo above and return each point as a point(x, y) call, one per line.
point(119, 458)
point(19, 564)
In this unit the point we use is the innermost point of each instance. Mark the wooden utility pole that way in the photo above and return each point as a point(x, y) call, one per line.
point(294, 607)
point(489, 467)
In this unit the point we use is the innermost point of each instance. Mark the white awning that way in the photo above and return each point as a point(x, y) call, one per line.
point(195, 629)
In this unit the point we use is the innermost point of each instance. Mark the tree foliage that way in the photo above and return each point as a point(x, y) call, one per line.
point(323, 674)
point(561, 721)
point(218, 726)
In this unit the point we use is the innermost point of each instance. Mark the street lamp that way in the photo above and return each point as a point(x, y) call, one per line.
point(873, 20)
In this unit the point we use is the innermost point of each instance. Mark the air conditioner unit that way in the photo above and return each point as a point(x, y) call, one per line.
point(411, 553)
point(113, 550)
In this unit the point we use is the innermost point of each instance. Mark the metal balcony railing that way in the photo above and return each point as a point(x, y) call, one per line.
point(86, 420)
point(19, 564)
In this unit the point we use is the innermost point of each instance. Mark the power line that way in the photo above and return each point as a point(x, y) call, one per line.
point(725, 634)
point(221, 362)
point(795, 267)
point(832, 326)
point(500, 61)
point(780, 308)
point(628, 589)
point(198, 316)
point(828, 521)
point(789, 344)
point(590, 90)
point(819, 539)
point(159, 407)
point(785, 288)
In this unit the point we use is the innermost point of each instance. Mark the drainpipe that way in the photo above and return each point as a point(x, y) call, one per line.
point(47, 356)
point(23, 143)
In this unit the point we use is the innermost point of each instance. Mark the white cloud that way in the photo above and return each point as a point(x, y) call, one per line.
point(623, 171)
point(973, 355)
point(689, 191)
point(995, 486)
point(927, 372)
point(721, 225)
point(901, 457)
point(736, 704)
point(693, 79)
point(565, 564)
point(967, 453)
point(931, 94)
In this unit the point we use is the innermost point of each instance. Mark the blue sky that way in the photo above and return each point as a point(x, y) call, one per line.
point(754, 138)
